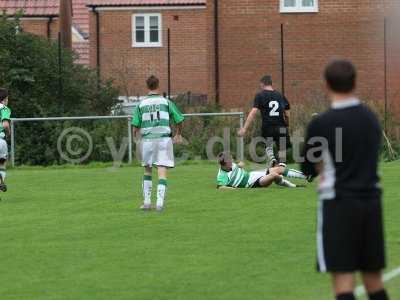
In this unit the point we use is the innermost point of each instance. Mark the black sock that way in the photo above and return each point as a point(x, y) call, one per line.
point(349, 296)
point(381, 295)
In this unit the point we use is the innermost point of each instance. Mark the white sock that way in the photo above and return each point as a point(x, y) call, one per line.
point(147, 187)
point(269, 150)
point(3, 174)
point(291, 173)
point(161, 191)
point(286, 183)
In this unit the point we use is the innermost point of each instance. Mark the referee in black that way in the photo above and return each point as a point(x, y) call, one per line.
point(342, 146)
point(274, 109)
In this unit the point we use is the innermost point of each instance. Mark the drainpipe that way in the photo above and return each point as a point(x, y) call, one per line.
point(216, 50)
point(50, 20)
point(97, 43)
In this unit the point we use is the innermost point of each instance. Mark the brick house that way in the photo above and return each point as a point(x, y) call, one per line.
point(129, 41)
point(223, 52)
point(251, 35)
point(290, 39)
point(41, 18)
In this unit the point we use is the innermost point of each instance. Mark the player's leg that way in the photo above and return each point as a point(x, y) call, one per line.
point(147, 186)
point(161, 187)
point(289, 173)
point(165, 160)
point(343, 285)
point(339, 241)
point(373, 256)
point(267, 180)
point(3, 162)
point(272, 177)
point(269, 150)
point(147, 156)
point(374, 285)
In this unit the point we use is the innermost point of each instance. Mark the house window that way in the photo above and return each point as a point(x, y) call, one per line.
point(146, 30)
point(299, 6)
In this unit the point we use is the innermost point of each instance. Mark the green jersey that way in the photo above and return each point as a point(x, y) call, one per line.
point(154, 116)
point(238, 177)
point(5, 115)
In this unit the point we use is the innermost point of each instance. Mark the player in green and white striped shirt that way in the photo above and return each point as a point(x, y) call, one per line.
point(5, 131)
point(231, 175)
point(152, 119)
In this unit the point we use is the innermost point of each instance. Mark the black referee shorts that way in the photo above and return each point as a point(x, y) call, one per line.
point(279, 135)
point(350, 235)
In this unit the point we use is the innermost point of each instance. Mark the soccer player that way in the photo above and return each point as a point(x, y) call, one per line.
point(5, 114)
point(274, 109)
point(231, 175)
point(152, 118)
point(342, 146)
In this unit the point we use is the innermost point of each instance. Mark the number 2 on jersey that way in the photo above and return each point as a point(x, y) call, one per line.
point(274, 106)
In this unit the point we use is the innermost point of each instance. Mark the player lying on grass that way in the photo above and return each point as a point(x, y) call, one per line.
point(231, 175)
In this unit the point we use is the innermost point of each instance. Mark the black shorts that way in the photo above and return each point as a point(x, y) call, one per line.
point(350, 235)
point(279, 135)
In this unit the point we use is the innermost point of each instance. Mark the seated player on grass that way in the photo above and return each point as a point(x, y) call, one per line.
point(231, 175)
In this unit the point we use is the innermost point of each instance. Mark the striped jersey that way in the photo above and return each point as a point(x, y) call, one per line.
point(5, 115)
point(154, 115)
point(237, 177)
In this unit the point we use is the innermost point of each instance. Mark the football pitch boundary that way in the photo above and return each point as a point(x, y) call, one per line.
point(360, 290)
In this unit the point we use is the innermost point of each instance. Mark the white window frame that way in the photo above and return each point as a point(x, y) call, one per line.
point(299, 8)
point(146, 43)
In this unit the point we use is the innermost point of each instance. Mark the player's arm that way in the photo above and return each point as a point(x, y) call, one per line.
point(312, 151)
point(6, 117)
point(224, 187)
point(286, 112)
point(252, 115)
point(136, 122)
point(6, 126)
point(177, 119)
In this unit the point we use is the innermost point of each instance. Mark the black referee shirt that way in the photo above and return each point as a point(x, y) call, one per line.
point(350, 157)
point(272, 106)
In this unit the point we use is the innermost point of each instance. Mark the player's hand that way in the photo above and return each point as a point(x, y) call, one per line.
point(242, 132)
point(241, 164)
point(178, 139)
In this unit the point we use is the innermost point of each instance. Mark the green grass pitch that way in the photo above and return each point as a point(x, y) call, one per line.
point(78, 234)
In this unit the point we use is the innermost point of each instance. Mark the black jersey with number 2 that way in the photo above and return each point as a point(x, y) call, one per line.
point(272, 106)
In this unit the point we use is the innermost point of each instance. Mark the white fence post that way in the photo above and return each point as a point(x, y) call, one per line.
point(12, 154)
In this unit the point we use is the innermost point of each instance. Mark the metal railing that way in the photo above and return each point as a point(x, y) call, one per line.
point(129, 128)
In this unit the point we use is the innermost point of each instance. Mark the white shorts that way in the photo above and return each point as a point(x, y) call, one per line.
point(254, 176)
point(3, 149)
point(159, 152)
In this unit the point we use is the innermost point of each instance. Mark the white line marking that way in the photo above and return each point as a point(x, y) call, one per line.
point(360, 290)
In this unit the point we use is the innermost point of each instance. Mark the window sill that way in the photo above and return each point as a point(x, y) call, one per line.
point(299, 10)
point(152, 45)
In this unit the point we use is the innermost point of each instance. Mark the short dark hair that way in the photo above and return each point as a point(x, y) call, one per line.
point(340, 76)
point(266, 80)
point(153, 83)
point(3, 94)
point(223, 157)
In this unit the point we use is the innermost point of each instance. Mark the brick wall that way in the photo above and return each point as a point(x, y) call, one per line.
point(130, 66)
point(39, 27)
point(250, 46)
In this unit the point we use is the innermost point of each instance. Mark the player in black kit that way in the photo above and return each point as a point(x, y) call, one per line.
point(274, 110)
point(342, 146)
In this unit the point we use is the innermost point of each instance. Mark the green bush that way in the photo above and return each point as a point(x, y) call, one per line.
point(44, 83)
